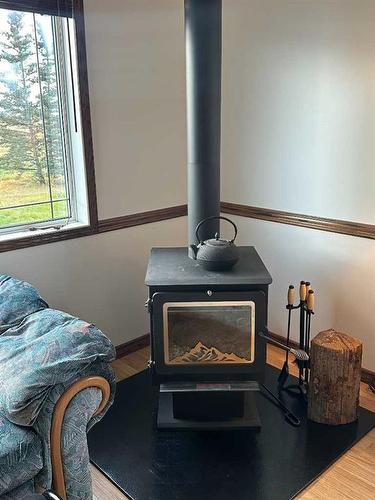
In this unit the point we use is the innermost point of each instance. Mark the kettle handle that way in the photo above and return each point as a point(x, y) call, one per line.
point(212, 218)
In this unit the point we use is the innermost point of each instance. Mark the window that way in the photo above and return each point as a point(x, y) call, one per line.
point(42, 160)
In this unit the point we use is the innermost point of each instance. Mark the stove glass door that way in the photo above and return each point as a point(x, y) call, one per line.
point(209, 333)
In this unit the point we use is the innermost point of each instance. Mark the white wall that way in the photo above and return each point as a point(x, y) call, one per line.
point(298, 106)
point(340, 268)
point(135, 51)
point(99, 278)
point(136, 69)
point(298, 135)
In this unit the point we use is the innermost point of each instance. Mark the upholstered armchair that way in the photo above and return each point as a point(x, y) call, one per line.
point(56, 382)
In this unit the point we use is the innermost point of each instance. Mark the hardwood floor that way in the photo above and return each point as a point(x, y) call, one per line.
point(350, 477)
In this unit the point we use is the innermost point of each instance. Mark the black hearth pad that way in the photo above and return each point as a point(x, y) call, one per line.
point(276, 463)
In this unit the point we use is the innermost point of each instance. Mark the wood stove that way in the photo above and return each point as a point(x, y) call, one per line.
point(206, 355)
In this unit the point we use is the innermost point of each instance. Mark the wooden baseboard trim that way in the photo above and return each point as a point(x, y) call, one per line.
point(367, 376)
point(132, 346)
point(282, 339)
point(138, 219)
point(321, 223)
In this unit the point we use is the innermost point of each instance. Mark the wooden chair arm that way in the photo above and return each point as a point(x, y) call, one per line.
point(58, 480)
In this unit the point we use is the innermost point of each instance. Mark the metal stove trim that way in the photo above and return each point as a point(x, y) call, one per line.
point(249, 303)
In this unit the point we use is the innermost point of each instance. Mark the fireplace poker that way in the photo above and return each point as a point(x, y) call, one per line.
point(290, 417)
point(302, 297)
point(285, 369)
point(306, 319)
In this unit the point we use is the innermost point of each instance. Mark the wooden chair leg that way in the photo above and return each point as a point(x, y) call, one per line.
point(58, 480)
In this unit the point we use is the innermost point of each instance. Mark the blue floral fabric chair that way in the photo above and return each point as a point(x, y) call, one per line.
point(56, 382)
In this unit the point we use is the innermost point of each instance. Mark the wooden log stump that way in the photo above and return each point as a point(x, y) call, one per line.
point(335, 376)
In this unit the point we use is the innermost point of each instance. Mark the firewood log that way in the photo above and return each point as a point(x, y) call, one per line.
point(335, 376)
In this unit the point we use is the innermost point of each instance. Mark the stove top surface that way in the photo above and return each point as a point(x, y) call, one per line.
point(172, 266)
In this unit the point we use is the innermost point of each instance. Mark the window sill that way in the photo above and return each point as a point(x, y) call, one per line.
point(4, 236)
point(24, 239)
point(20, 240)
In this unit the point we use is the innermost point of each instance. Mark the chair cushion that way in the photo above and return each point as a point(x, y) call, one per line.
point(21, 456)
point(18, 299)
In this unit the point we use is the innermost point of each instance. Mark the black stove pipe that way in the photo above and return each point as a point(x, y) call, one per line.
point(203, 35)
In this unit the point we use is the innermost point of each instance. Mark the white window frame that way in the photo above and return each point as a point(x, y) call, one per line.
point(70, 107)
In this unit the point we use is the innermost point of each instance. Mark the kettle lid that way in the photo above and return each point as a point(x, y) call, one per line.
point(217, 242)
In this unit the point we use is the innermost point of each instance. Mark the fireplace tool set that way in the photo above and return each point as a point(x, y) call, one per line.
point(306, 308)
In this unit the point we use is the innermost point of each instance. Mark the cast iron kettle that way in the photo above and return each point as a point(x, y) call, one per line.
point(216, 254)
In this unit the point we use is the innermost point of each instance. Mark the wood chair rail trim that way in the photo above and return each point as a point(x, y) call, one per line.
point(58, 480)
point(350, 228)
point(125, 221)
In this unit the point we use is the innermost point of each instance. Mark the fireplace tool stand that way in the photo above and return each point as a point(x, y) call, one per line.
point(306, 308)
